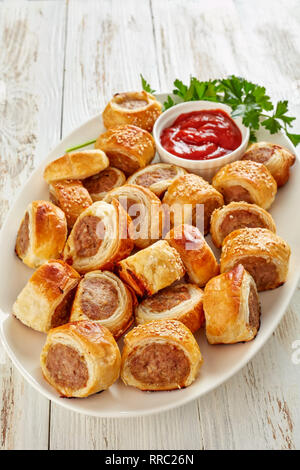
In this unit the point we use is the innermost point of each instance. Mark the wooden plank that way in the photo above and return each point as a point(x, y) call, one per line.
point(31, 72)
point(116, 43)
point(108, 45)
point(105, 54)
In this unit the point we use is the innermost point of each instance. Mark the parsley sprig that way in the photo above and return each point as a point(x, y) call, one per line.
point(248, 100)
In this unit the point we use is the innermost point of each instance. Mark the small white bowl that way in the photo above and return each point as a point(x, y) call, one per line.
point(205, 168)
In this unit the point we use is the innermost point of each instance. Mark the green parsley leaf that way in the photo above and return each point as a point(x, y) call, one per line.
point(294, 138)
point(169, 103)
point(247, 100)
point(145, 85)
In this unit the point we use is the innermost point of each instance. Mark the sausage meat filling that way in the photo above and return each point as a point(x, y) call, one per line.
point(101, 183)
point(88, 236)
point(260, 155)
point(132, 104)
point(240, 219)
point(122, 161)
point(264, 273)
point(236, 193)
point(67, 367)
point(23, 236)
point(254, 308)
point(159, 363)
point(99, 298)
point(168, 298)
point(148, 178)
point(62, 312)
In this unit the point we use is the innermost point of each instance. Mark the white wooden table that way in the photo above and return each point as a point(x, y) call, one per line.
point(60, 62)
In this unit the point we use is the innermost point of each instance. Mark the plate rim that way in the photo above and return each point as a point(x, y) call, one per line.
point(156, 409)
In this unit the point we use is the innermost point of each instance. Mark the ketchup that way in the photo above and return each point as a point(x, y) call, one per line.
point(201, 135)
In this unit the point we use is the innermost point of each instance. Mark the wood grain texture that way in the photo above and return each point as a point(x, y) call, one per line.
point(31, 73)
point(108, 44)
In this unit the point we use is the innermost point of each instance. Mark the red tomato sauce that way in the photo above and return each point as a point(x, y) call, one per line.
point(201, 135)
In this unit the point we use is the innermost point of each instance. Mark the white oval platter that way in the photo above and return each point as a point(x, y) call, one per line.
point(24, 345)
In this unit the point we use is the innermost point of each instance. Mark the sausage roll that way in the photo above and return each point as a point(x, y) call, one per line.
point(99, 185)
point(145, 211)
point(238, 215)
point(128, 148)
point(198, 259)
point(157, 177)
point(189, 192)
point(135, 107)
point(46, 300)
point(72, 197)
point(246, 181)
point(76, 165)
point(101, 296)
point(160, 355)
point(182, 302)
point(152, 269)
point(80, 359)
point(42, 233)
point(264, 255)
point(231, 306)
point(277, 159)
point(99, 238)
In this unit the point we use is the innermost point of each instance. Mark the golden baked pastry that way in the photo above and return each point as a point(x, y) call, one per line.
point(46, 300)
point(145, 211)
point(262, 253)
point(152, 269)
point(182, 302)
point(76, 165)
point(237, 215)
point(99, 185)
point(246, 181)
point(134, 107)
point(80, 359)
point(99, 238)
point(42, 234)
point(156, 177)
point(277, 159)
point(101, 296)
point(190, 192)
point(160, 355)
point(231, 306)
point(128, 148)
point(72, 197)
point(198, 258)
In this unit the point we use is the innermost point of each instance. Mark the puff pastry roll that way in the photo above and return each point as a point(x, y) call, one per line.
point(190, 191)
point(145, 211)
point(152, 269)
point(198, 258)
point(42, 233)
point(135, 107)
point(246, 181)
point(156, 177)
point(101, 296)
point(128, 148)
point(231, 306)
point(262, 253)
point(72, 197)
point(182, 302)
point(46, 300)
point(160, 355)
point(80, 359)
point(99, 238)
point(99, 185)
point(277, 159)
point(76, 165)
point(237, 215)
